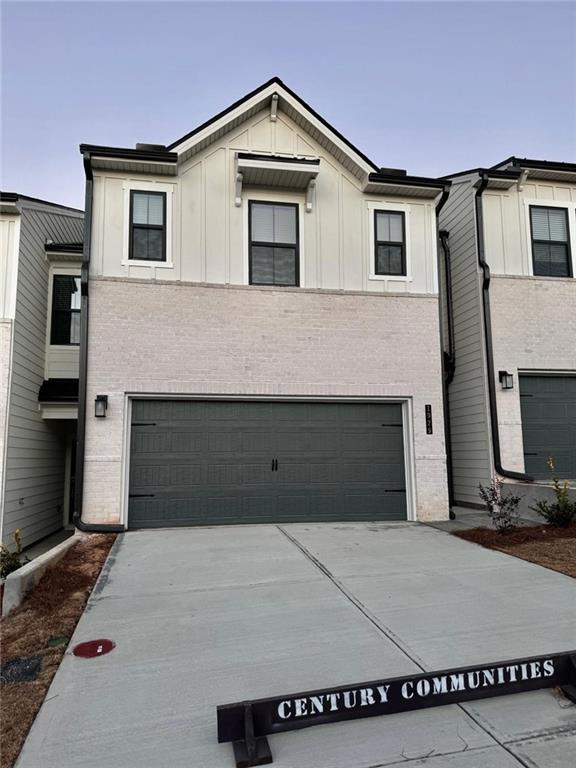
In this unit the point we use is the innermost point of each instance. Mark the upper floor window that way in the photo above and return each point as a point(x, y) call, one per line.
point(274, 247)
point(65, 325)
point(147, 226)
point(550, 241)
point(389, 243)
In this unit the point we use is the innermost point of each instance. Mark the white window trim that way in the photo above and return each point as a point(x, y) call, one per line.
point(133, 185)
point(379, 205)
point(569, 206)
point(267, 197)
point(58, 269)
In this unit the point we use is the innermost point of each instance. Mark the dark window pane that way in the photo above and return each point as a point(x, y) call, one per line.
point(551, 260)
point(147, 244)
point(284, 266)
point(389, 260)
point(549, 224)
point(65, 325)
point(262, 265)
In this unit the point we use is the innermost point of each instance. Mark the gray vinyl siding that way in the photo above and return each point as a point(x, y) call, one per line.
point(469, 419)
point(34, 476)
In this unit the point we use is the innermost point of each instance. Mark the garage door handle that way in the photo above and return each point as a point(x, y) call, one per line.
point(141, 496)
point(274, 466)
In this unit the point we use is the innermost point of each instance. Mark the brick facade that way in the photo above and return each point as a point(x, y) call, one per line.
point(162, 338)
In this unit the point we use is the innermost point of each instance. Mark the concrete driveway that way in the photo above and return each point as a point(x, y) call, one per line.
point(208, 616)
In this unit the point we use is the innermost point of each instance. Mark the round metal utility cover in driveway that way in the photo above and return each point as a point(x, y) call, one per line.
point(224, 462)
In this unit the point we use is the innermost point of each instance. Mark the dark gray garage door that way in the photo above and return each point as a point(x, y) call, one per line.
point(548, 405)
point(207, 463)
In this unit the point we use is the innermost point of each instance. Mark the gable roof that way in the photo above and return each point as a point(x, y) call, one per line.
point(290, 103)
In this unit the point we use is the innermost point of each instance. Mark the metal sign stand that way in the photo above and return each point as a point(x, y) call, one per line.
point(247, 723)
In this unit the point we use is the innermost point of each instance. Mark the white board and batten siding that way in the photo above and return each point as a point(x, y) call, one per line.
point(468, 396)
point(507, 223)
point(208, 235)
point(34, 459)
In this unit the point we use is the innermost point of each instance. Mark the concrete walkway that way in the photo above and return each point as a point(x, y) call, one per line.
point(208, 616)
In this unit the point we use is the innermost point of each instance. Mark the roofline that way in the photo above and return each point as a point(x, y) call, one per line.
point(123, 153)
point(255, 92)
point(409, 181)
point(494, 172)
point(278, 158)
point(13, 197)
point(526, 162)
point(64, 247)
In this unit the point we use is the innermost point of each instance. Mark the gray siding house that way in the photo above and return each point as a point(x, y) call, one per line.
point(508, 236)
point(40, 254)
point(261, 325)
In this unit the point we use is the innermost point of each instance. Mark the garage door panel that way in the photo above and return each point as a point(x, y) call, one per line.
point(206, 463)
point(548, 408)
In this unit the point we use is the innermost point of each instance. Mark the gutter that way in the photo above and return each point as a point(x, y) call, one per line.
point(82, 377)
point(448, 359)
point(484, 178)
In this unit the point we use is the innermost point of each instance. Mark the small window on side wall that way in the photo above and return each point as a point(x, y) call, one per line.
point(550, 241)
point(147, 226)
point(65, 324)
point(274, 247)
point(389, 243)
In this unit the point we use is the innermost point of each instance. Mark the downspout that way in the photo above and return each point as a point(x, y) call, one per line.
point(82, 377)
point(448, 365)
point(448, 361)
point(488, 337)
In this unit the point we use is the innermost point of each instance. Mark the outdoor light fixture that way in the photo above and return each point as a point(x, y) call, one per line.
point(506, 379)
point(100, 406)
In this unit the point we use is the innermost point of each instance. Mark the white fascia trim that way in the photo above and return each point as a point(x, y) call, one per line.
point(392, 206)
point(147, 186)
point(568, 205)
point(262, 96)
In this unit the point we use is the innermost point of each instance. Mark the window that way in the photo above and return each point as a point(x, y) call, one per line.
point(550, 241)
point(389, 243)
point(274, 258)
point(147, 226)
point(65, 327)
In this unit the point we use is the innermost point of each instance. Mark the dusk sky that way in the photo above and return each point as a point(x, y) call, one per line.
point(430, 87)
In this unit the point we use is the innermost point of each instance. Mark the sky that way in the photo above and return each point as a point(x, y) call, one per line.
point(426, 86)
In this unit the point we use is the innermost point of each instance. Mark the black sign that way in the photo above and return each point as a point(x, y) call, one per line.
point(245, 722)
point(429, 429)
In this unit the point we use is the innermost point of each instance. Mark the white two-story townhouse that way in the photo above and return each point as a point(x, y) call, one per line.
point(261, 317)
point(509, 233)
point(40, 257)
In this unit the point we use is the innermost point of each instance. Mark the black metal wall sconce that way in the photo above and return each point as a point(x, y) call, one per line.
point(100, 406)
point(506, 379)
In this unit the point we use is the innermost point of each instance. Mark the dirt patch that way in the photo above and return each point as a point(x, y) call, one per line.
point(41, 626)
point(554, 548)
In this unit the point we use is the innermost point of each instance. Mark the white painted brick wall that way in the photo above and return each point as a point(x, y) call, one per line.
point(162, 338)
point(533, 327)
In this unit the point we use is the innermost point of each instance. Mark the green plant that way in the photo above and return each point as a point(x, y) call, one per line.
point(502, 508)
point(11, 561)
point(562, 512)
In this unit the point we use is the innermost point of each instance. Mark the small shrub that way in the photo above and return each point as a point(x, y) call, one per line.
point(562, 512)
point(502, 508)
point(11, 561)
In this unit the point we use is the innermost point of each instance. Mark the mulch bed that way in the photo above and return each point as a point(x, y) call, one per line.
point(554, 548)
point(41, 627)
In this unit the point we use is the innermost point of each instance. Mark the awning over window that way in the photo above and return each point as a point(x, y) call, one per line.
point(277, 170)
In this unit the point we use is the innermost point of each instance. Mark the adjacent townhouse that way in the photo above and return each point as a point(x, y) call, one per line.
point(40, 257)
point(508, 236)
point(260, 328)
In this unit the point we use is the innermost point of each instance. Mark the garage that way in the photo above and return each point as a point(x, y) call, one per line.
point(198, 462)
point(548, 407)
